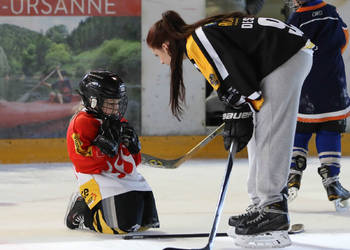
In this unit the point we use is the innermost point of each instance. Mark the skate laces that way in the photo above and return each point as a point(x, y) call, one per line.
point(294, 171)
point(259, 218)
point(78, 212)
point(251, 208)
point(249, 211)
point(327, 181)
point(78, 220)
point(264, 211)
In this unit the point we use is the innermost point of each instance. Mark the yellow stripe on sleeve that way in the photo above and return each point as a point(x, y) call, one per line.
point(257, 103)
point(194, 53)
point(78, 146)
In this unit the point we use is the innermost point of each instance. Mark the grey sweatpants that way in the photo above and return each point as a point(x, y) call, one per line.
point(270, 149)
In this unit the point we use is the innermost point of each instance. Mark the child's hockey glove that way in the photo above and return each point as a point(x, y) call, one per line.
point(108, 138)
point(129, 138)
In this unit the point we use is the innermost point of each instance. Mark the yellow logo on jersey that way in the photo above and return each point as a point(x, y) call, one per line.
point(90, 191)
point(229, 22)
point(213, 80)
point(78, 146)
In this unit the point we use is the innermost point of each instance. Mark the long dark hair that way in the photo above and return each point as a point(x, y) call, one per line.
point(173, 29)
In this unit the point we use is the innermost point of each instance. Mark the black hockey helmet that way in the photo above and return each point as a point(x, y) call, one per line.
point(104, 94)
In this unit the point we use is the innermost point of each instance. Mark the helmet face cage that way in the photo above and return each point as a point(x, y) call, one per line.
point(295, 4)
point(104, 94)
point(114, 108)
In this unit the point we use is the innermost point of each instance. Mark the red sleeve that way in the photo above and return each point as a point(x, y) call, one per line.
point(87, 128)
point(86, 157)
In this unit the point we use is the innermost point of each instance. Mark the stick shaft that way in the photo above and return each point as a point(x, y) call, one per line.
point(294, 229)
point(201, 144)
point(174, 163)
point(232, 152)
point(158, 236)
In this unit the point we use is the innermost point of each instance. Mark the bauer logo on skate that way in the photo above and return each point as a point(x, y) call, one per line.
point(70, 8)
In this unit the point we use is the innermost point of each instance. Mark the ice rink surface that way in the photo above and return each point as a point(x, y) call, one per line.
point(34, 199)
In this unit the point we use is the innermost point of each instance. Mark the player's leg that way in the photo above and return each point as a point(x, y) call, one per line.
point(274, 135)
point(298, 164)
point(150, 214)
point(329, 151)
point(130, 212)
point(252, 210)
point(121, 214)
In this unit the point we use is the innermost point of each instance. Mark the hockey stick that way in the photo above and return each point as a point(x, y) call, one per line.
point(174, 163)
point(232, 152)
point(294, 229)
point(157, 236)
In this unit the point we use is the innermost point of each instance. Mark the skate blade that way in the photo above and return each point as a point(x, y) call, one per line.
point(231, 232)
point(341, 205)
point(292, 194)
point(296, 229)
point(273, 239)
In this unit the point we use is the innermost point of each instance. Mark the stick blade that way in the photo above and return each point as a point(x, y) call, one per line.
point(156, 162)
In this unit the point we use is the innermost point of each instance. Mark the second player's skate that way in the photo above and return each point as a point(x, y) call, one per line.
point(335, 191)
point(295, 174)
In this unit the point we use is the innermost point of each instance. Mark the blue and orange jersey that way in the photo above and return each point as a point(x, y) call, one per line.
point(324, 94)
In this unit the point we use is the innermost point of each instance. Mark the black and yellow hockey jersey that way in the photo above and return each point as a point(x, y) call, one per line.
point(240, 52)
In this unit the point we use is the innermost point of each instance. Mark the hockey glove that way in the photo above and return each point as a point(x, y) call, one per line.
point(129, 138)
point(239, 126)
point(107, 139)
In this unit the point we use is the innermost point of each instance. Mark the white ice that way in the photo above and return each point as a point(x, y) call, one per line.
point(34, 199)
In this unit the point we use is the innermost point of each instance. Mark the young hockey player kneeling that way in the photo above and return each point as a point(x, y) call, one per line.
point(105, 150)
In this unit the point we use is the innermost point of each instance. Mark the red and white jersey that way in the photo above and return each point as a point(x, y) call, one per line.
point(114, 175)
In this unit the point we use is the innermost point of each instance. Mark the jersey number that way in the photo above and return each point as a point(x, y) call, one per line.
point(271, 22)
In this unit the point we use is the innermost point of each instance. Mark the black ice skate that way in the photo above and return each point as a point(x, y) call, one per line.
point(335, 191)
point(77, 212)
point(295, 174)
point(268, 229)
point(251, 213)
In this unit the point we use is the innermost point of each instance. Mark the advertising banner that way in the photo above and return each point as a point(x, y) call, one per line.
point(47, 46)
